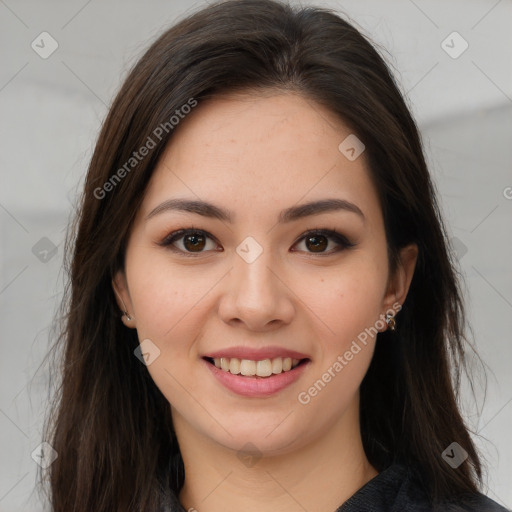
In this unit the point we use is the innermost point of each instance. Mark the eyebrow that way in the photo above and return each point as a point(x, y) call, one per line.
point(206, 209)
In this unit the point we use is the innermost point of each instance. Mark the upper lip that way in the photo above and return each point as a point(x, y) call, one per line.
point(256, 354)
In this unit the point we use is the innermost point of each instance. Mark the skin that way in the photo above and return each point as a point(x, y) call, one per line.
point(256, 155)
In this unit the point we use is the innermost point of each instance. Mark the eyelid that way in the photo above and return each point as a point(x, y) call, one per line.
point(180, 233)
point(340, 239)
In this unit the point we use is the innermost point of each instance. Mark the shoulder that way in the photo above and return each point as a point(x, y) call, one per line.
point(473, 503)
point(397, 489)
point(463, 503)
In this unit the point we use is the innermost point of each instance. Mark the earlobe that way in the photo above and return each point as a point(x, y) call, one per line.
point(128, 321)
point(120, 289)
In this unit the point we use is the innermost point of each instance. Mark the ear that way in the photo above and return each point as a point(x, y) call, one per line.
point(123, 299)
point(399, 283)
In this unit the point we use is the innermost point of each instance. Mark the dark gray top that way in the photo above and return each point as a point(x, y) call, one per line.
point(392, 490)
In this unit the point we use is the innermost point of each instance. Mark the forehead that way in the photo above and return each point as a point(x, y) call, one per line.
point(260, 153)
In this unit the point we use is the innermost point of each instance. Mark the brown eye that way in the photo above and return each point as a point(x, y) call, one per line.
point(317, 243)
point(194, 242)
point(189, 242)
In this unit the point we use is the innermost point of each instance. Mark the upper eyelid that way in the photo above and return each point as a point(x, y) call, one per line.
point(179, 233)
point(330, 233)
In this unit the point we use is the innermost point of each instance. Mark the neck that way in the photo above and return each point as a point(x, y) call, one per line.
point(321, 475)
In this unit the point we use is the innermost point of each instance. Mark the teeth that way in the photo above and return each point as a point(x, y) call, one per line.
point(277, 365)
point(234, 365)
point(249, 368)
point(264, 368)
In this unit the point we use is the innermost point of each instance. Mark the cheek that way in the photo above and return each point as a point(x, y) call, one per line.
point(169, 301)
point(165, 299)
point(167, 306)
point(351, 300)
point(351, 308)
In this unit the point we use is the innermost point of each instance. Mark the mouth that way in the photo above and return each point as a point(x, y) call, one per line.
point(256, 369)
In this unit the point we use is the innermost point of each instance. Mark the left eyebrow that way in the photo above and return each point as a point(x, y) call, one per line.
point(291, 214)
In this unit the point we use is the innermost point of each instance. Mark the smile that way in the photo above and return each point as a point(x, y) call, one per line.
point(250, 368)
point(256, 378)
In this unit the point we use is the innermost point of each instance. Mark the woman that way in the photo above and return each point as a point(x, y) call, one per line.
point(263, 313)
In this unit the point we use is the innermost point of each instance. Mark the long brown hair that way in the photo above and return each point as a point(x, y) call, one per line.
point(111, 426)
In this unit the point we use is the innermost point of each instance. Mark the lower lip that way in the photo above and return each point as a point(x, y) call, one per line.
point(257, 387)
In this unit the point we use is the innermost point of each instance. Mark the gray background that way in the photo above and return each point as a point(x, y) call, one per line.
point(51, 110)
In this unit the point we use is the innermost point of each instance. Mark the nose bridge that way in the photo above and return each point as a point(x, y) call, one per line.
point(256, 296)
point(253, 267)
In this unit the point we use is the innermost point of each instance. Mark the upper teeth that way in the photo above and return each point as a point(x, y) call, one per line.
point(263, 368)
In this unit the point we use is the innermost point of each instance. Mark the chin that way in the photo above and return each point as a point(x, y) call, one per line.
point(260, 434)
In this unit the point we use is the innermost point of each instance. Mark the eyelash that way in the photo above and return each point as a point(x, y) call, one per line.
point(340, 239)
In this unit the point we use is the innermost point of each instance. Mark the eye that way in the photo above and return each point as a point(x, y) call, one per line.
point(192, 241)
point(317, 240)
point(195, 241)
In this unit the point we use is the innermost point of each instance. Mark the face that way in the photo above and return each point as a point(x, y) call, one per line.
point(257, 282)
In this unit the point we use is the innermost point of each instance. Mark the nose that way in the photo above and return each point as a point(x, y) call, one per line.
point(257, 294)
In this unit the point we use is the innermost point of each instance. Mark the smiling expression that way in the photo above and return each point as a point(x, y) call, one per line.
point(225, 263)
